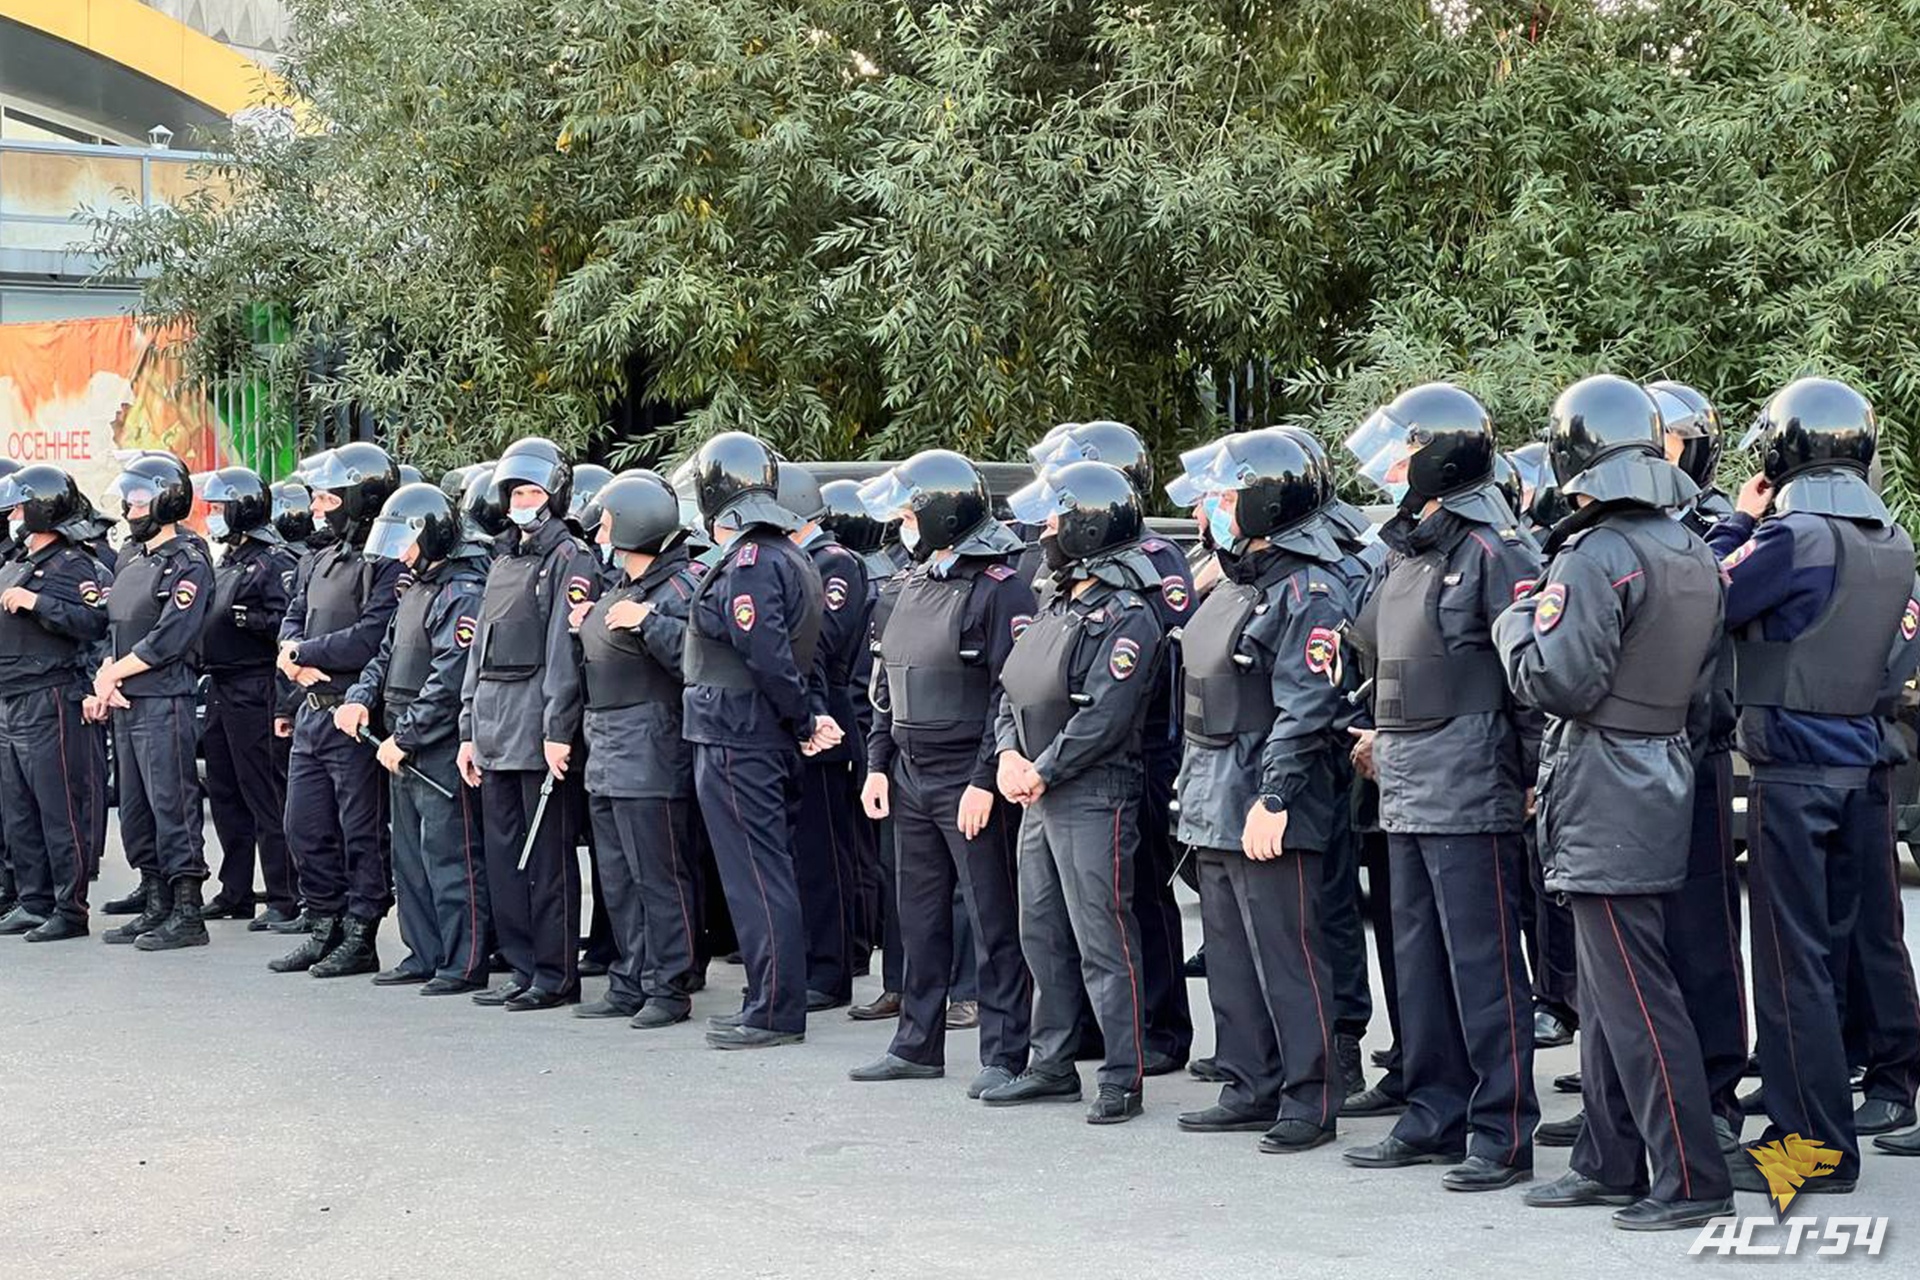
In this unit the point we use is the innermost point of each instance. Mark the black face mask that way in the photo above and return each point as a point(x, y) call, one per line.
point(321, 538)
point(141, 528)
point(1050, 551)
point(337, 521)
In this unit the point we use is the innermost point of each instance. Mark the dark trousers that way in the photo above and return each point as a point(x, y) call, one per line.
point(336, 819)
point(1163, 952)
point(933, 858)
point(1378, 860)
point(44, 799)
point(1804, 880)
point(1343, 940)
point(439, 869)
point(160, 820)
point(246, 789)
point(744, 799)
point(536, 912)
point(651, 880)
point(99, 792)
point(893, 949)
point(716, 937)
point(1642, 1086)
point(1547, 927)
point(1880, 985)
point(282, 758)
point(826, 872)
point(1703, 939)
point(1270, 984)
point(1466, 1034)
point(1082, 943)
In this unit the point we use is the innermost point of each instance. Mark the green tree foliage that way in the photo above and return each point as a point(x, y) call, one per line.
point(867, 227)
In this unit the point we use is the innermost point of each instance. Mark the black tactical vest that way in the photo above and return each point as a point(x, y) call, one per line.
point(1417, 684)
point(1037, 678)
point(712, 660)
point(1226, 694)
point(512, 638)
point(410, 661)
point(621, 671)
point(24, 643)
point(1667, 638)
point(134, 604)
point(336, 595)
point(929, 679)
point(1835, 667)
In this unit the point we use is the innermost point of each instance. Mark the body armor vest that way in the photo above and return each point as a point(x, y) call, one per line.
point(512, 636)
point(1417, 683)
point(1225, 693)
point(134, 604)
point(929, 680)
point(336, 595)
point(411, 660)
point(712, 661)
point(1666, 639)
point(1037, 678)
point(620, 670)
point(28, 644)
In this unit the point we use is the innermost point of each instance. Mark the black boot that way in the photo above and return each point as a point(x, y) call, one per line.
point(355, 954)
point(185, 927)
point(1346, 1052)
point(155, 907)
point(131, 905)
point(324, 938)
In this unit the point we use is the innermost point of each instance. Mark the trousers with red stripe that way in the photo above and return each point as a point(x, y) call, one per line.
point(1643, 1081)
point(1466, 1017)
point(440, 870)
point(44, 800)
point(744, 797)
point(1270, 984)
point(1077, 848)
point(1883, 1007)
point(650, 874)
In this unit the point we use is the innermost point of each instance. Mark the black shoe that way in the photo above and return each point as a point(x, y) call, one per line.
point(324, 937)
point(889, 1067)
point(1031, 1086)
point(727, 1021)
point(1374, 1102)
point(450, 987)
point(1753, 1066)
point(1196, 966)
point(58, 929)
point(156, 906)
point(885, 1005)
point(1564, 1133)
point(400, 977)
point(1347, 1062)
point(963, 1015)
point(593, 968)
point(1479, 1173)
point(355, 953)
point(607, 1007)
point(820, 1001)
point(1219, 1119)
point(660, 1013)
point(498, 996)
point(1381, 1058)
point(298, 922)
point(267, 919)
point(989, 1078)
point(183, 926)
point(1747, 1177)
point(222, 909)
point(1671, 1215)
point(131, 905)
point(753, 1038)
point(1568, 1083)
point(1114, 1105)
point(1877, 1115)
point(1290, 1136)
point(1574, 1191)
point(1159, 1064)
point(1207, 1069)
point(1724, 1134)
point(1549, 1030)
point(19, 921)
point(1900, 1144)
point(536, 998)
point(733, 957)
point(1391, 1153)
point(1755, 1103)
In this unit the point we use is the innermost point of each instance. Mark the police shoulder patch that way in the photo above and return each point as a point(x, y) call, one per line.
point(401, 583)
point(184, 593)
point(749, 554)
point(1323, 651)
point(834, 590)
point(1174, 590)
point(579, 590)
point(286, 580)
point(999, 572)
point(1154, 544)
point(1550, 608)
point(1738, 555)
point(1910, 620)
point(464, 627)
point(1523, 588)
point(1124, 660)
point(1019, 623)
point(742, 610)
point(90, 592)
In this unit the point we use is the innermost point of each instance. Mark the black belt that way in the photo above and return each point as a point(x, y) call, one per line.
point(324, 701)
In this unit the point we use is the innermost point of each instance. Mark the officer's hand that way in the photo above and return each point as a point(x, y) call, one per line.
point(627, 614)
point(827, 732)
point(578, 614)
point(282, 727)
point(104, 686)
point(286, 663)
point(389, 755)
point(1362, 754)
point(350, 718)
point(1755, 495)
point(469, 771)
point(976, 807)
point(1532, 802)
point(1261, 838)
point(558, 755)
point(1010, 777)
point(876, 796)
point(307, 677)
point(18, 600)
point(92, 710)
point(116, 700)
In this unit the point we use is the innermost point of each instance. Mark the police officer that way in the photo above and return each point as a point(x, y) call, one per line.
point(755, 629)
point(1612, 646)
point(246, 791)
point(943, 641)
point(1262, 691)
point(1076, 689)
point(639, 766)
point(439, 870)
point(336, 805)
point(1816, 593)
point(1450, 755)
point(157, 612)
point(826, 818)
point(52, 610)
point(520, 715)
point(293, 521)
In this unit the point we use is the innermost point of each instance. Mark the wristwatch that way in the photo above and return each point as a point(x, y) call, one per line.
point(1273, 804)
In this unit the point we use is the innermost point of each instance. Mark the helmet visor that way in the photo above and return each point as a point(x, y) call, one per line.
point(525, 469)
point(1384, 446)
point(887, 495)
point(391, 537)
point(1753, 434)
point(11, 494)
point(326, 471)
point(213, 488)
point(1035, 502)
point(134, 489)
point(1056, 450)
point(1196, 466)
point(1677, 416)
point(1535, 472)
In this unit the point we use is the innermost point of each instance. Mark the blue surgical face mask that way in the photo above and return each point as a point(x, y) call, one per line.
point(606, 553)
point(525, 516)
point(1219, 522)
point(216, 526)
point(17, 530)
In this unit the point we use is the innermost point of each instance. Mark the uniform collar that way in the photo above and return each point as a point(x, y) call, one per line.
point(47, 552)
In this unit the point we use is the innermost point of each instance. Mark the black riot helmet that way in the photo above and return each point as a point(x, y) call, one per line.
point(160, 482)
point(1691, 417)
point(41, 496)
point(292, 511)
point(844, 516)
point(1280, 484)
point(642, 513)
point(362, 476)
point(481, 503)
point(798, 491)
point(537, 461)
point(730, 466)
point(1598, 417)
point(417, 515)
point(1098, 507)
point(1506, 478)
point(1103, 440)
point(1540, 498)
point(1432, 441)
point(945, 492)
point(453, 482)
point(409, 474)
point(1814, 424)
point(248, 506)
point(583, 512)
